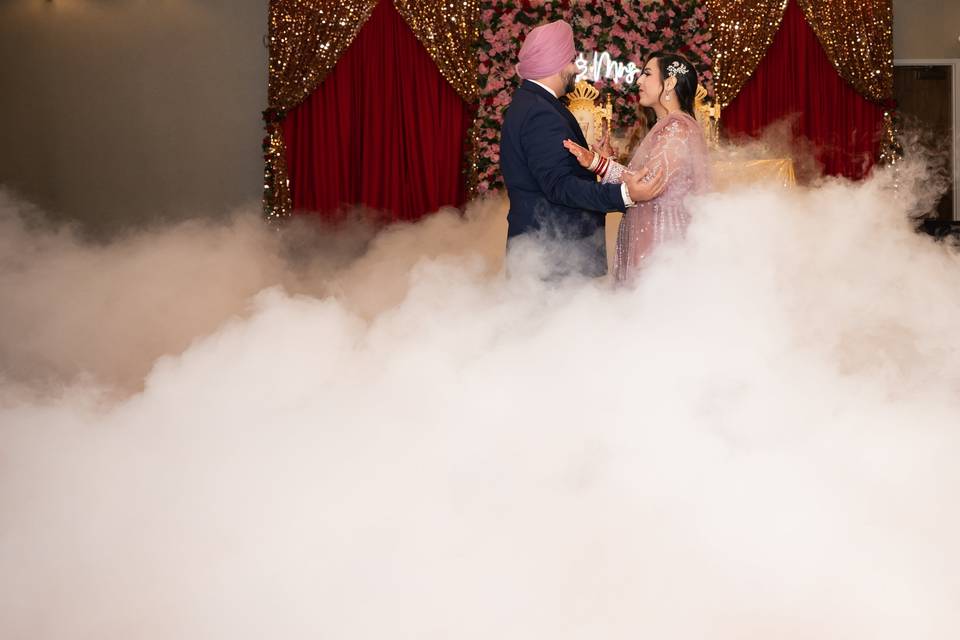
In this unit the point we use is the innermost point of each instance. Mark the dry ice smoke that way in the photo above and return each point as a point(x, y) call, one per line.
point(225, 432)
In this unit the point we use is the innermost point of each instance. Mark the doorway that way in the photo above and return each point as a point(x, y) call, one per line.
point(928, 92)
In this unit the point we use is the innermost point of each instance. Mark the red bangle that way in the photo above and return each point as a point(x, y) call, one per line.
point(602, 167)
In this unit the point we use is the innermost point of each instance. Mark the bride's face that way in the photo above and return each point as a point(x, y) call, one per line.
point(650, 84)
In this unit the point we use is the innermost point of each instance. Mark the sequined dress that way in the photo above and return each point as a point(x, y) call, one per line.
point(676, 145)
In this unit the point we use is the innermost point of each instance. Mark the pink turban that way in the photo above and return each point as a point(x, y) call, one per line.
point(547, 49)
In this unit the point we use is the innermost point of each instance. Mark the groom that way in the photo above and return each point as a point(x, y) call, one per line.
point(551, 196)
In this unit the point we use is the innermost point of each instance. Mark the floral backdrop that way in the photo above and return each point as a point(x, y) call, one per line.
point(629, 30)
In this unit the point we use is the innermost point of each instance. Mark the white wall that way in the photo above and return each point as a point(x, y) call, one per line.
point(118, 113)
point(926, 29)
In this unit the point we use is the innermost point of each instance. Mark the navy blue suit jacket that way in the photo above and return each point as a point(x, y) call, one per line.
point(548, 188)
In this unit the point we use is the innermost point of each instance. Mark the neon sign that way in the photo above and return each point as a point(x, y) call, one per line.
point(603, 65)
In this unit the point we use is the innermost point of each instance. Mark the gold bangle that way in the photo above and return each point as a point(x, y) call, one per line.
point(595, 163)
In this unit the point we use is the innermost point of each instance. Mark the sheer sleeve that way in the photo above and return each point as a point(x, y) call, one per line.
point(670, 150)
point(614, 174)
point(677, 149)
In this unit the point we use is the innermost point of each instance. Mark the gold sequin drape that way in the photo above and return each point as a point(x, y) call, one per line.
point(856, 34)
point(742, 31)
point(448, 30)
point(858, 38)
point(307, 38)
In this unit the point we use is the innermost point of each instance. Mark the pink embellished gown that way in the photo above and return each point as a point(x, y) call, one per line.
point(675, 145)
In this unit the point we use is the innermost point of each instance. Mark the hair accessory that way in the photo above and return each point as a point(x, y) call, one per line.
point(677, 68)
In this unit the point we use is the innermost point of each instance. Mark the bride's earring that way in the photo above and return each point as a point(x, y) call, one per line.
point(667, 98)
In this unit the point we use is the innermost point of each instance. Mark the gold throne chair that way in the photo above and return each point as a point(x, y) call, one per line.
point(594, 118)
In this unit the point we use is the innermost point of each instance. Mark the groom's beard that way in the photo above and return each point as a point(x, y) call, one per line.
point(570, 85)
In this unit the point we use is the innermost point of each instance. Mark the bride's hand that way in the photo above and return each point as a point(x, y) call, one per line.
point(604, 145)
point(644, 186)
point(583, 156)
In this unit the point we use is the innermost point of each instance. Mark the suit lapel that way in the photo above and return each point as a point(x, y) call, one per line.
point(561, 109)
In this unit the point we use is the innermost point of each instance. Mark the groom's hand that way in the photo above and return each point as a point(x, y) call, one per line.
point(642, 187)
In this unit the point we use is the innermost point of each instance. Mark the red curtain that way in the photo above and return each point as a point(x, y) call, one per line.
point(384, 130)
point(796, 77)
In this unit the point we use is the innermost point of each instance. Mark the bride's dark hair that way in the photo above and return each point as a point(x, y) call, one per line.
point(686, 89)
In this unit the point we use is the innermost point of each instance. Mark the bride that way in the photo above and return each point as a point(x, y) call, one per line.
point(674, 146)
